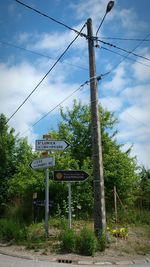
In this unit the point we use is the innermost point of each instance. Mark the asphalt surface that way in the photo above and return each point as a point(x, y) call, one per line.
point(11, 261)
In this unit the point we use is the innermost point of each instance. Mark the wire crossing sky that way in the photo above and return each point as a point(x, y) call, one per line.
point(45, 75)
point(33, 36)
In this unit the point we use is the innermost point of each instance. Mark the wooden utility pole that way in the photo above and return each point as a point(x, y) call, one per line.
point(99, 198)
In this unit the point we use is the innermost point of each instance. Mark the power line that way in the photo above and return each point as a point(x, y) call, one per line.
point(40, 54)
point(124, 39)
point(59, 104)
point(122, 49)
point(45, 74)
point(124, 56)
point(57, 21)
point(66, 98)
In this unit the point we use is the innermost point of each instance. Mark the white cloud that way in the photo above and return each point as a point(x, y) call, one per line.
point(141, 72)
point(16, 84)
point(111, 103)
point(118, 81)
point(142, 151)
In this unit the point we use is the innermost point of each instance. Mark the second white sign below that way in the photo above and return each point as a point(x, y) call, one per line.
point(43, 163)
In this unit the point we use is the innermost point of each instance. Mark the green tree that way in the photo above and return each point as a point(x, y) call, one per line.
point(7, 157)
point(119, 167)
point(143, 189)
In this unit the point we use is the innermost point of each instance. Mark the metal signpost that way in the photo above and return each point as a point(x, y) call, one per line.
point(70, 176)
point(47, 144)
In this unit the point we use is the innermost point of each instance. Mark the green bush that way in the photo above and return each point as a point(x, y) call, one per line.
point(36, 233)
point(68, 240)
point(12, 230)
point(101, 241)
point(86, 243)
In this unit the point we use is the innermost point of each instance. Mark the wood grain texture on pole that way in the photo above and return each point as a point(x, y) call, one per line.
point(99, 197)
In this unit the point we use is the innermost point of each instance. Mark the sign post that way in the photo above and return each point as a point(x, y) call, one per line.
point(46, 200)
point(69, 205)
point(70, 176)
point(47, 144)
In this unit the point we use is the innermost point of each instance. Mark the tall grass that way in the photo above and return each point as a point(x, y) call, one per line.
point(12, 231)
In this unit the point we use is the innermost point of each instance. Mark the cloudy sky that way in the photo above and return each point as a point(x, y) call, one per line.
point(30, 44)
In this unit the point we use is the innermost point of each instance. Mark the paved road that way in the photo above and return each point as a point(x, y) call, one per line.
point(9, 261)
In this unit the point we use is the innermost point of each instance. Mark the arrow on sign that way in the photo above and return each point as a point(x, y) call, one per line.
point(70, 175)
point(51, 144)
point(43, 163)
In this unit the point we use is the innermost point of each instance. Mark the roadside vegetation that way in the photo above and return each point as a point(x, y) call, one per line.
point(21, 218)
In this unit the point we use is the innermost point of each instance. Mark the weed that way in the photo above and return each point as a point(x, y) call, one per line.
point(68, 240)
point(86, 242)
point(101, 241)
point(12, 230)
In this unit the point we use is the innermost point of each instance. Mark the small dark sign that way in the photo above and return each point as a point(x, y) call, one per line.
point(41, 203)
point(67, 176)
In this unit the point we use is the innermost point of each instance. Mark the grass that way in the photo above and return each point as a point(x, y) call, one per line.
point(80, 239)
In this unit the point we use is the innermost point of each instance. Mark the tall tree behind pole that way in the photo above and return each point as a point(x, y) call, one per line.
point(99, 198)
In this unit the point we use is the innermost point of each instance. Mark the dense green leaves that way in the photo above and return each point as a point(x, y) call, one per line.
point(119, 167)
point(19, 181)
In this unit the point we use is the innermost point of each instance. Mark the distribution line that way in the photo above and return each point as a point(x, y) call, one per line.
point(66, 98)
point(124, 56)
point(40, 54)
point(45, 75)
point(59, 104)
point(57, 21)
point(123, 39)
point(122, 49)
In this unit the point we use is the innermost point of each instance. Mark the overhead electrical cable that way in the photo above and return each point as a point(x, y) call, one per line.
point(47, 16)
point(124, 56)
point(124, 39)
point(46, 74)
point(40, 54)
point(59, 104)
point(66, 98)
point(122, 49)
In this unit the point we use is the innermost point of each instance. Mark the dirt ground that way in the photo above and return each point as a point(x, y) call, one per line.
point(135, 247)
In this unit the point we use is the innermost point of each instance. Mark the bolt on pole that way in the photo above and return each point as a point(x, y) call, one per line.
point(99, 197)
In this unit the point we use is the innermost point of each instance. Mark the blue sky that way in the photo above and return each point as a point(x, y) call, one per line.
point(125, 90)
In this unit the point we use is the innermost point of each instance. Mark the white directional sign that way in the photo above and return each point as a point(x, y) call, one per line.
point(43, 163)
point(50, 145)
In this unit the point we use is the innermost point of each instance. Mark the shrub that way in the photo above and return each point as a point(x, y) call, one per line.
point(36, 233)
point(86, 242)
point(12, 230)
point(68, 240)
point(101, 241)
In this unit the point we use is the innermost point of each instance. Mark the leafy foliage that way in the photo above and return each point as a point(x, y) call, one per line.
point(86, 242)
point(68, 240)
point(11, 230)
point(119, 167)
